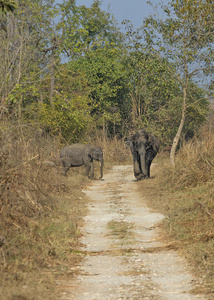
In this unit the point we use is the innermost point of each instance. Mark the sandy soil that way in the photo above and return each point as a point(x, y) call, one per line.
point(125, 256)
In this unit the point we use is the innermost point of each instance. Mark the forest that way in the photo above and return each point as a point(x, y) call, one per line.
point(70, 74)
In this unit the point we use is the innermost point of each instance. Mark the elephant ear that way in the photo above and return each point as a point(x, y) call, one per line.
point(156, 145)
point(153, 143)
point(150, 141)
point(129, 142)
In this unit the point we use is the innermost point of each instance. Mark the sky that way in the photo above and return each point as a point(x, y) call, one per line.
point(132, 10)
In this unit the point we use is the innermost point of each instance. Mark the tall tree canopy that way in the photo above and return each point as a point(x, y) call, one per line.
point(87, 28)
point(185, 38)
point(79, 74)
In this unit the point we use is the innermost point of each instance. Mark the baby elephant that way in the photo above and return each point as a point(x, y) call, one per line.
point(77, 155)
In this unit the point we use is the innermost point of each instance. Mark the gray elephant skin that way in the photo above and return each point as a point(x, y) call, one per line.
point(144, 147)
point(76, 155)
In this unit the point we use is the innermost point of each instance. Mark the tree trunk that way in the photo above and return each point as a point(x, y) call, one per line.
point(180, 128)
point(134, 108)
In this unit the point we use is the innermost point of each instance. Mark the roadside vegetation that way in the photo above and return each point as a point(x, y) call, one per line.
point(80, 78)
point(185, 196)
point(40, 216)
point(41, 212)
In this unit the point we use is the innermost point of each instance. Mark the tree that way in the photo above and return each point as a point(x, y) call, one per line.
point(184, 38)
point(154, 94)
point(22, 61)
point(8, 5)
point(150, 87)
point(86, 28)
point(94, 44)
point(68, 116)
point(108, 83)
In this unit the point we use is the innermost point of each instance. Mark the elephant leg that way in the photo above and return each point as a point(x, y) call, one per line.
point(64, 171)
point(65, 166)
point(101, 169)
point(137, 170)
point(92, 170)
point(139, 177)
point(150, 155)
point(148, 165)
point(87, 169)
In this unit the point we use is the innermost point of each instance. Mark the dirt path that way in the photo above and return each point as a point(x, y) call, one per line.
point(125, 258)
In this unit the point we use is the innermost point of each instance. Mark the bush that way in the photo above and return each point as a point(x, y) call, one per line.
point(70, 120)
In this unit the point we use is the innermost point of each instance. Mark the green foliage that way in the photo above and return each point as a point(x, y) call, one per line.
point(181, 39)
point(83, 69)
point(68, 118)
point(23, 41)
point(20, 94)
point(106, 77)
point(150, 86)
point(156, 97)
point(8, 5)
point(95, 46)
point(86, 28)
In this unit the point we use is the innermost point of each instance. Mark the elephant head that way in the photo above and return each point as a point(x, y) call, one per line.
point(144, 148)
point(96, 153)
point(128, 141)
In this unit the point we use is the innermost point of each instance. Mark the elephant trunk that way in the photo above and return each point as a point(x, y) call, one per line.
point(144, 168)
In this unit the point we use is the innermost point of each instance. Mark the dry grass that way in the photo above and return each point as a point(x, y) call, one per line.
point(195, 163)
point(40, 214)
point(185, 197)
point(41, 211)
point(114, 151)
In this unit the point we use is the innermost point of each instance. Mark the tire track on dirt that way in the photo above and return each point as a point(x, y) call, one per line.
point(125, 257)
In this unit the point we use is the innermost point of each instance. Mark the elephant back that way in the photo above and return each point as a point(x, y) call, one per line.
point(74, 150)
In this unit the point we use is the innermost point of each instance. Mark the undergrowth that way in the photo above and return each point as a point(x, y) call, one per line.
point(185, 196)
point(191, 217)
point(41, 211)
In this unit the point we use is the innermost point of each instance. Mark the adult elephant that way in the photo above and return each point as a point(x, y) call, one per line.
point(77, 155)
point(144, 147)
